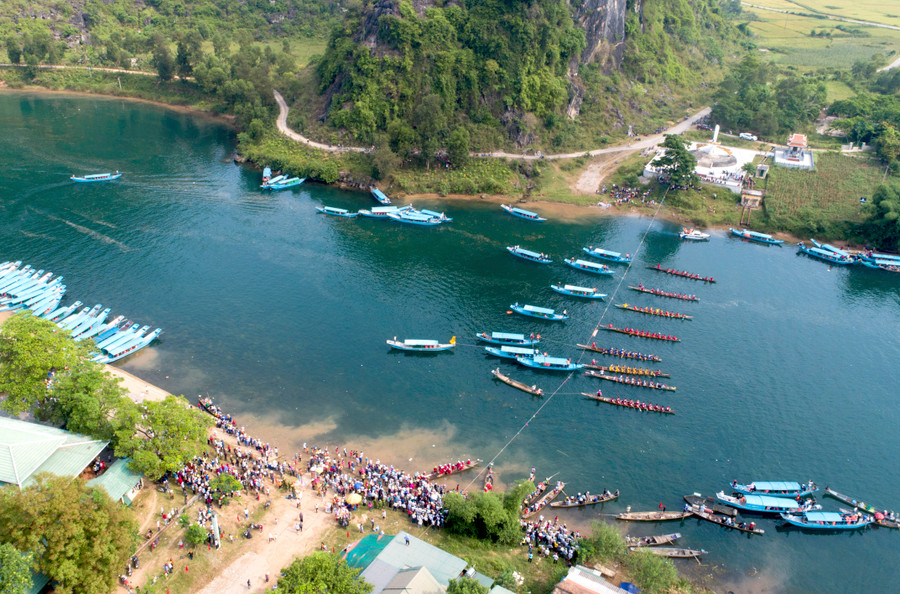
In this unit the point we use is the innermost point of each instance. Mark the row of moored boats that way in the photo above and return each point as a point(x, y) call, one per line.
point(37, 291)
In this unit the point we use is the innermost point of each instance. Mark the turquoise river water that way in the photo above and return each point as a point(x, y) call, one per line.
point(281, 314)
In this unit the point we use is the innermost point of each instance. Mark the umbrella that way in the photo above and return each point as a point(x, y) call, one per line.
point(318, 469)
point(358, 485)
point(354, 498)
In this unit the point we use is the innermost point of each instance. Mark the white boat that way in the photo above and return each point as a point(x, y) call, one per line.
point(693, 234)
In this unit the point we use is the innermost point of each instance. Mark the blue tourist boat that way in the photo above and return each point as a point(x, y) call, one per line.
point(889, 265)
point(693, 235)
point(438, 215)
point(284, 183)
point(607, 255)
point(827, 255)
point(382, 212)
point(268, 182)
point(507, 338)
point(776, 488)
point(588, 266)
point(62, 312)
point(523, 214)
point(511, 352)
point(819, 520)
point(539, 312)
point(414, 218)
point(380, 196)
point(546, 363)
point(99, 329)
point(267, 173)
point(832, 249)
point(122, 335)
point(421, 346)
point(757, 237)
point(576, 291)
point(528, 254)
point(130, 348)
point(338, 212)
point(766, 504)
point(70, 323)
point(111, 331)
point(89, 323)
point(96, 177)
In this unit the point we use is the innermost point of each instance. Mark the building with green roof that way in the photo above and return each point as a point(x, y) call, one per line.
point(119, 481)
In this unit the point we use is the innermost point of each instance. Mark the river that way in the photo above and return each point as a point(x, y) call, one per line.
point(281, 314)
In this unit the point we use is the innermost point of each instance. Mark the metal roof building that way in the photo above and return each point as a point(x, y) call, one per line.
point(119, 481)
point(27, 449)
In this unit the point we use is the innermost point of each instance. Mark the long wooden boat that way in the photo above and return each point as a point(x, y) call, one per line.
point(533, 390)
point(421, 346)
point(588, 266)
point(523, 214)
point(131, 348)
point(682, 273)
point(511, 352)
point(576, 291)
point(607, 255)
point(826, 255)
point(776, 488)
point(655, 312)
point(540, 504)
point(622, 353)
point(635, 404)
point(653, 516)
point(539, 312)
point(631, 381)
point(661, 293)
point(651, 541)
point(696, 499)
point(757, 237)
point(379, 196)
point(642, 333)
point(588, 500)
point(414, 218)
point(528, 254)
point(545, 363)
point(96, 177)
point(766, 504)
point(879, 518)
point(673, 552)
point(338, 212)
point(705, 513)
point(382, 212)
point(625, 369)
point(693, 234)
point(885, 517)
point(818, 520)
point(489, 478)
point(507, 338)
point(451, 468)
point(538, 492)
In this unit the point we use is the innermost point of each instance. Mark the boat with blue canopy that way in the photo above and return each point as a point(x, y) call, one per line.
point(539, 312)
point(414, 218)
point(546, 363)
point(111, 331)
point(62, 312)
point(421, 346)
point(889, 265)
point(266, 183)
point(284, 183)
point(819, 520)
point(588, 266)
point(757, 237)
point(68, 324)
point(576, 291)
point(511, 352)
point(131, 347)
point(766, 504)
point(831, 248)
point(777, 488)
point(96, 177)
point(267, 174)
point(528, 254)
point(827, 255)
point(379, 196)
point(507, 338)
point(338, 212)
point(99, 329)
point(438, 215)
point(121, 335)
point(382, 212)
point(523, 214)
point(607, 255)
point(90, 323)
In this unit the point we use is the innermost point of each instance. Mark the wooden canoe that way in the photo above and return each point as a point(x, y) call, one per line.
point(626, 370)
point(466, 466)
point(642, 334)
point(653, 516)
point(722, 521)
point(672, 315)
point(713, 504)
point(592, 500)
point(682, 274)
point(656, 408)
point(661, 293)
point(543, 501)
point(620, 353)
point(672, 552)
point(651, 541)
point(533, 390)
point(650, 384)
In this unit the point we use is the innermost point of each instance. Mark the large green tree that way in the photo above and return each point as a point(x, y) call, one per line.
point(85, 400)
point(80, 538)
point(466, 585)
point(677, 162)
point(489, 516)
point(160, 436)
point(15, 571)
point(883, 225)
point(322, 573)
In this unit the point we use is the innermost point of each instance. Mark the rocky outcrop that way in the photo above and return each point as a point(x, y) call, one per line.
point(603, 22)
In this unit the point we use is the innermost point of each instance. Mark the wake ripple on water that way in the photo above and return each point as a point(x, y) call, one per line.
point(92, 233)
point(36, 235)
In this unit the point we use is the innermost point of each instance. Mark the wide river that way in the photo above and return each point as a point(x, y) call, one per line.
point(281, 314)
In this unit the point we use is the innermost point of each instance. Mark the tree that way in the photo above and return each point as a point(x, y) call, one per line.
point(888, 144)
point(13, 48)
point(188, 53)
point(883, 225)
point(29, 349)
point(15, 575)
point(458, 147)
point(466, 585)
point(162, 58)
point(678, 163)
point(322, 573)
point(225, 483)
point(196, 534)
point(160, 436)
point(79, 536)
point(85, 400)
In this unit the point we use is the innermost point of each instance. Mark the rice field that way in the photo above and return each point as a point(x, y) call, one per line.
point(877, 11)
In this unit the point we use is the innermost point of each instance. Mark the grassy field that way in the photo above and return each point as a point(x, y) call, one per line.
point(877, 11)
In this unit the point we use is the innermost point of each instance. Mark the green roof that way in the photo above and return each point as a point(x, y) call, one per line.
point(27, 449)
point(117, 480)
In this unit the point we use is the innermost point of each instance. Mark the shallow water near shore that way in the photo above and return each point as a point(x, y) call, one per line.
point(281, 314)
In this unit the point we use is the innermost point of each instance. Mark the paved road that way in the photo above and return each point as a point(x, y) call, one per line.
point(893, 64)
point(634, 146)
point(830, 17)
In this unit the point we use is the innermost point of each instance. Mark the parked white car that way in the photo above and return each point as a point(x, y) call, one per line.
point(747, 136)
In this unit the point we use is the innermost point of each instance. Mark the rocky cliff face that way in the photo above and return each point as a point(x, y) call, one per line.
point(603, 22)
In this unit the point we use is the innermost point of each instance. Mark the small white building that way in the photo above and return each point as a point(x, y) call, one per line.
point(717, 165)
point(795, 155)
